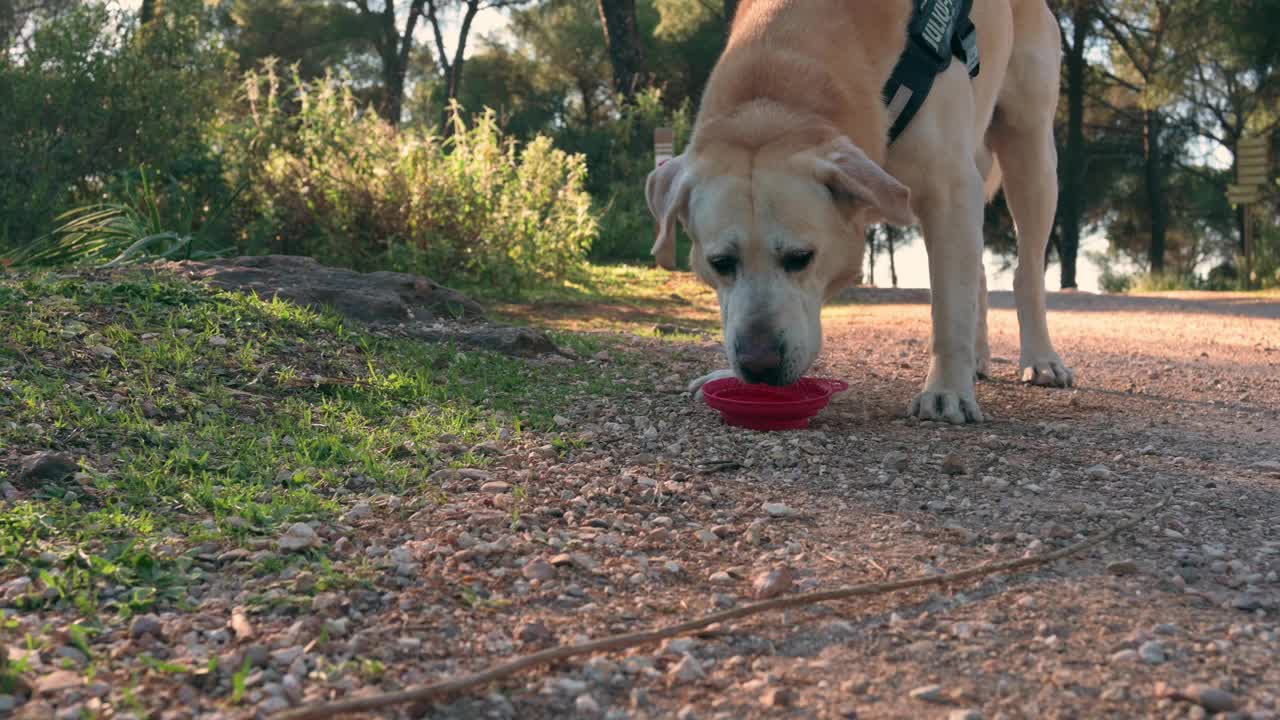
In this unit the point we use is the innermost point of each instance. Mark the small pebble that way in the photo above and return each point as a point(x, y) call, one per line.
point(778, 510)
point(927, 693)
point(772, 583)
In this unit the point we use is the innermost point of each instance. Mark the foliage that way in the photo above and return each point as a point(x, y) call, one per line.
point(96, 96)
point(332, 180)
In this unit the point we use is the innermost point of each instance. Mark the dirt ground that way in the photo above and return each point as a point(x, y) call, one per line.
point(647, 510)
point(1177, 394)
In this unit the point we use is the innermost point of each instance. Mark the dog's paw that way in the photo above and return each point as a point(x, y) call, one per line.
point(946, 406)
point(982, 366)
point(695, 386)
point(1047, 371)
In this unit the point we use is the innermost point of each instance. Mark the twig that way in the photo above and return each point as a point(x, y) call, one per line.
point(628, 640)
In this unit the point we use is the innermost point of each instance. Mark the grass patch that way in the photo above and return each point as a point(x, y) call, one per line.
point(205, 417)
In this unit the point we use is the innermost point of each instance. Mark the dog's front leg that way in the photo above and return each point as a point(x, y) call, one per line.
point(951, 215)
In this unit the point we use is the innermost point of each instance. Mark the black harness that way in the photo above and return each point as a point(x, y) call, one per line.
point(939, 30)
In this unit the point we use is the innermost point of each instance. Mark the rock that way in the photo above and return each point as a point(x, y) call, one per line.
point(1122, 567)
point(586, 705)
point(57, 681)
point(103, 351)
point(688, 712)
point(953, 464)
point(927, 693)
point(538, 570)
point(358, 512)
point(218, 341)
point(45, 467)
point(964, 715)
point(1213, 699)
point(241, 626)
point(895, 461)
point(1266, 466)
point(721, 578)
point(778, 510)
point(273, 705)
point(1152, 653)
point(772, 583)
point(707, 537)
point(285, 656)
point(686, 671)
point(1100, 472)
point(299, 536)
point(7, 703)
point(74, 654)
point(776, 697)
point(495, 487)
point(1124, 656)
point(534, 633)
point(146, 625)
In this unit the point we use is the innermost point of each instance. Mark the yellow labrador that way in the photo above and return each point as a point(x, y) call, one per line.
point(790, 160)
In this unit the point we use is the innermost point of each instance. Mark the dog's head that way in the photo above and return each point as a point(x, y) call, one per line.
point(776, 231)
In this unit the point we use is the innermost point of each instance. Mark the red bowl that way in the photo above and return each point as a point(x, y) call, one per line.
point(765, 407)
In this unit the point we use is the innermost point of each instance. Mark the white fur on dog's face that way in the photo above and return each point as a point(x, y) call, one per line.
point(776, 235)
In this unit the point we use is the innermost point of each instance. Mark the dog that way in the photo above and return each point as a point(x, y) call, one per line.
point(790, 160)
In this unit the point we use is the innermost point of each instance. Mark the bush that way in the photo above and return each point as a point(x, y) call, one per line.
point(330, 179)
point(620, 154)
point(96, 94)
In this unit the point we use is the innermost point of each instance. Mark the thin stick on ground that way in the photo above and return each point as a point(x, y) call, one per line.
point(620, 642)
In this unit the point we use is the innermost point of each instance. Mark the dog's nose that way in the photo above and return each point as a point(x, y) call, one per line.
point(760, 359)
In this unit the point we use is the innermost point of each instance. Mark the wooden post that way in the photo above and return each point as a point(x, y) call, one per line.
point(1253, 168)
point(664, 145)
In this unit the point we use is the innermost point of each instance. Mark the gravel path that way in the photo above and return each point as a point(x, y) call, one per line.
point(650, 511)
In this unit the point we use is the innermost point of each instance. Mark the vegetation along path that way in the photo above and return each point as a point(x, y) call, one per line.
point(217, 505)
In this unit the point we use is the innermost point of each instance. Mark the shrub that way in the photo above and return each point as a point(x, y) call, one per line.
point(620, 154)
point(330, 179)
point(95, 95)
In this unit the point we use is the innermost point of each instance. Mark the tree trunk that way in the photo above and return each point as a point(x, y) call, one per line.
point(1155, 192)
point(393, 74)
point(891, 234)
point(622, 38)
point(872, 233)
point(1071, 197)
point(147, 12)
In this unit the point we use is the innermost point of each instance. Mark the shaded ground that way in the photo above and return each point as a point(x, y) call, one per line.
point(607, 517)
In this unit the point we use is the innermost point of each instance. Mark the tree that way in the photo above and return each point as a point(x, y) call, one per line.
point(393, 44)
point(622, 38)
point(1079, 23)
point(451, 68)
point(311, 35)
point(1155, 43)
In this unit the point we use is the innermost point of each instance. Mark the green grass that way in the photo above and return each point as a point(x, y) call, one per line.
point(208, 418)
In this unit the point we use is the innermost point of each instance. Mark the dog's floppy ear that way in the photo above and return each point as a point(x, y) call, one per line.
point(848, 171)
point(667, 192)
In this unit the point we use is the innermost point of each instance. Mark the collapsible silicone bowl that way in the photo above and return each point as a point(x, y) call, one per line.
point(765, 407)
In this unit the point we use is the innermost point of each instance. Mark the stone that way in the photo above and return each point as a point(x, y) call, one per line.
point(895, 461)
point(772, 583)
point(1124, 656)
point(45, 467)
point(686, 671)
point(1152, 653)
point(57, 681)
point(299, 536)
point(586, 705)
point(146, 625)
point(1266, 466)
point(721, 578)
point(358, 512)
point(953, 464)
point(778, 510)
point(1100, 472)
point(1213, 699)
point(1122, 568)
point(495, 487)
point(776, 697)
point(534, 633)
point(241, 626)
point(927, 693)
point(964, 715)
point(538, 569)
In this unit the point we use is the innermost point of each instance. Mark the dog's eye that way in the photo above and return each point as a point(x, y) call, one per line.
point(723, 264)
point(797, 260)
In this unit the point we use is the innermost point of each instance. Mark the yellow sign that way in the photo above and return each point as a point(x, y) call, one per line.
point(1252, 161)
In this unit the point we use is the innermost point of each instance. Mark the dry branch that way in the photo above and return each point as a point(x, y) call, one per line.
point(628, 640)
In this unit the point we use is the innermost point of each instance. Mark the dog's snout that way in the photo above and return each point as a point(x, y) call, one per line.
point(760, 358)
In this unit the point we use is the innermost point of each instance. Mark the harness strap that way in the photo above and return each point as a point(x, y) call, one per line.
point(939, 31)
